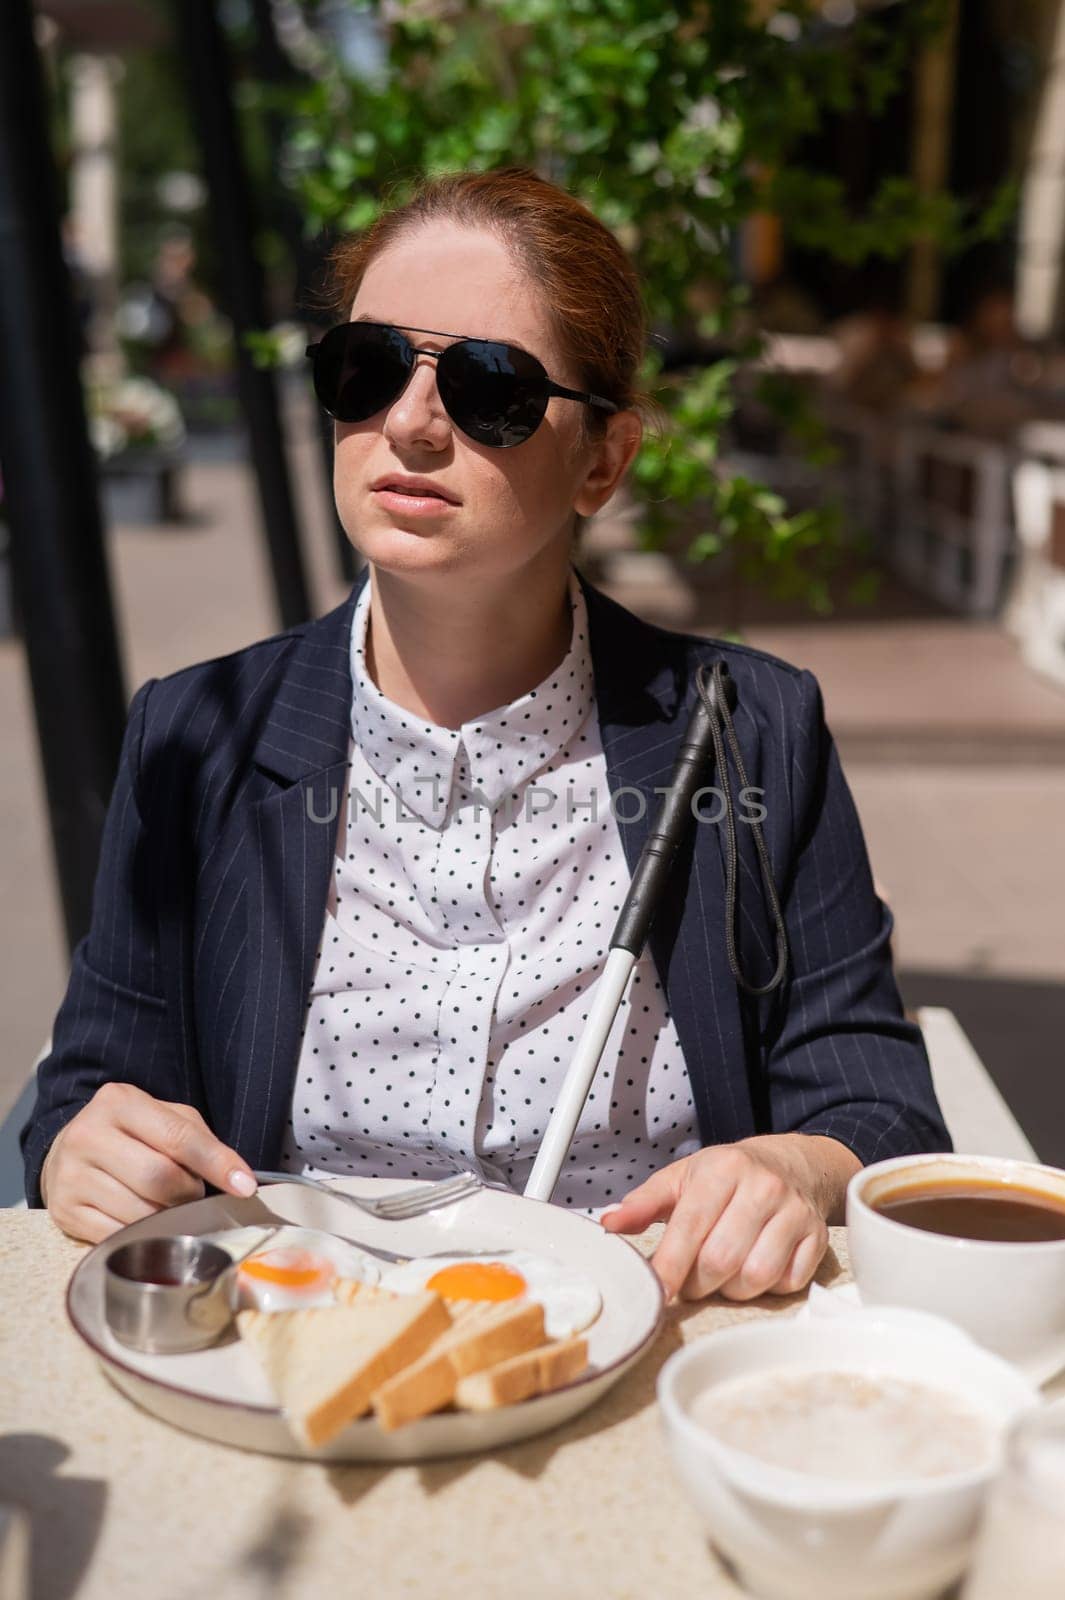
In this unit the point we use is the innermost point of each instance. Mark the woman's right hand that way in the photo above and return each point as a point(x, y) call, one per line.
point(127, 1155)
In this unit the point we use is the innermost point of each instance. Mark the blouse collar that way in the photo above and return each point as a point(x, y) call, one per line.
point(504, 748)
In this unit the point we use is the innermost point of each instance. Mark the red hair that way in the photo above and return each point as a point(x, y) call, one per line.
point(589, 286)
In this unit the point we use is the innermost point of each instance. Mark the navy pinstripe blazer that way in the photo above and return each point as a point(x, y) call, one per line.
point(214, 871)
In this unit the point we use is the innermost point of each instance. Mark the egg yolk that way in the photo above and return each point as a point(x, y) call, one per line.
point(477, 1280)
point(293, 1269)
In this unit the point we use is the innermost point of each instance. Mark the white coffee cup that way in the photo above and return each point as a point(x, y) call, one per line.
point(1009, 1296)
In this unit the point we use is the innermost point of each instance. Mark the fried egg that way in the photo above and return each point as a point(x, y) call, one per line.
point(571, 1301)
point(296, 1268)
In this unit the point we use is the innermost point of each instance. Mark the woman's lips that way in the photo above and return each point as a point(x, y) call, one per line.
point(413, 505)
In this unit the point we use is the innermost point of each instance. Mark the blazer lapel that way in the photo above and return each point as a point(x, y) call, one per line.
point(290, 846)
point(645, 691)
point(640, 688)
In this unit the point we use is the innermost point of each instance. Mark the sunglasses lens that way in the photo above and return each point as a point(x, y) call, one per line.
point(359, 368)
point(495, 393)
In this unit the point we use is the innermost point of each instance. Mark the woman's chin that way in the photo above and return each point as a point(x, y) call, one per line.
point(419, 548)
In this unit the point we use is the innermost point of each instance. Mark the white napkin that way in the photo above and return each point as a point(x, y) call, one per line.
point(843, 1302)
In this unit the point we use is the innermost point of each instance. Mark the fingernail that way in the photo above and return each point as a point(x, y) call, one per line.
point(242, 1182)
point(608, 1211)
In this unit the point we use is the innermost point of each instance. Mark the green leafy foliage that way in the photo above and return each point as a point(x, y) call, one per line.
point(674, 123)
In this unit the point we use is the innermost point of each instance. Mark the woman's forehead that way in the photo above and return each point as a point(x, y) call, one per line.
point(462, 281)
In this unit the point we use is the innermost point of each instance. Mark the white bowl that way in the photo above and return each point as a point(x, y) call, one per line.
point(1010, 1297)
point(795, 1536)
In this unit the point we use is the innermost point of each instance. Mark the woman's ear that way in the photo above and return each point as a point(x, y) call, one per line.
point(609, 460)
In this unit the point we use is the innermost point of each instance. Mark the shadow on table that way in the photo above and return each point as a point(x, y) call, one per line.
point(273, 1555)
point(65, 1514)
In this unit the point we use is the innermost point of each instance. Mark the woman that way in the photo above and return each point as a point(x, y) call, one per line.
point(358, 880)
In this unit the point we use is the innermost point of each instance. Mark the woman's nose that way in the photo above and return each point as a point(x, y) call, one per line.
point(418, 416)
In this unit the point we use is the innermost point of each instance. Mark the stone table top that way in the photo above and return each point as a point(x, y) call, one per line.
point(124, 1507)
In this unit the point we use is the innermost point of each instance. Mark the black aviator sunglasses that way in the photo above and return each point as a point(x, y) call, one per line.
point(495, 393)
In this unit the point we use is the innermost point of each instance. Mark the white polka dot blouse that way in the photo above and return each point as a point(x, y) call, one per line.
point(479, 873)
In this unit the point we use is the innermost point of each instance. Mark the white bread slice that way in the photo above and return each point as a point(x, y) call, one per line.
point(425, 1386)
point(484, 1335)
point(325, 1362)
point(351, 1291)
point(500, 1332)
point(522, 1376)
point(346, 1291)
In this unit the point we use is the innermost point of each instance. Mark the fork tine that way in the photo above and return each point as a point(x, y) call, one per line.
point(414, 1203)
point(393, 1208)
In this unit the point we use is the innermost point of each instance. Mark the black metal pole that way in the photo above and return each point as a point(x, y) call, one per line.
point(273, 66)
point(58, 562)
point(210, 83)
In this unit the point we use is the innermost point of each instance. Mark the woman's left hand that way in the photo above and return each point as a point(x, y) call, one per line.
point(742, 1219)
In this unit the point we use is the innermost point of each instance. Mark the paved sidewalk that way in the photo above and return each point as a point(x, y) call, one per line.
point(903, 679)
point(954, 749)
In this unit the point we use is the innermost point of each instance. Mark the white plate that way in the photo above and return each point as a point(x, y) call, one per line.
point(222, 1394)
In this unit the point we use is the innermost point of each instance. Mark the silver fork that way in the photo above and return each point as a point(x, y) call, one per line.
point(395, 1207)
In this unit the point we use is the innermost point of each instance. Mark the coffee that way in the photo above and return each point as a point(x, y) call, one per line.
point(971, 1208)
point(859, 1426)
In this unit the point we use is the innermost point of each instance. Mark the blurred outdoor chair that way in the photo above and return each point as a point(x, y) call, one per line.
point(1036, 611)
point(978, 1118)
point(12, 1187)
point(953, 533)
point(863, 476)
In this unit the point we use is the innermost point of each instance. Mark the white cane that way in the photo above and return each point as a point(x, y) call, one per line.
point(630, 933)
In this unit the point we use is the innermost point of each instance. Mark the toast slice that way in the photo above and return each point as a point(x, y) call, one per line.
point(522, 1376)
point(325, 1362)
point(483, 1335)
point(501, 1331)
point(346, 1291)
